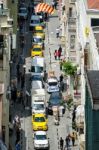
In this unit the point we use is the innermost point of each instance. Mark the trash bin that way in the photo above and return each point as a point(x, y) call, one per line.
point(61, 109)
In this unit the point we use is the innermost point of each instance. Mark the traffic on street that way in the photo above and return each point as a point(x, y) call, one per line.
point(40, 117)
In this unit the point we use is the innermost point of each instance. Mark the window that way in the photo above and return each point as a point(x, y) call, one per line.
point(70, 12)
point(72, 41)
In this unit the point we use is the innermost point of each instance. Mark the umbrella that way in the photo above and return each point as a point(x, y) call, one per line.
point(44, 7)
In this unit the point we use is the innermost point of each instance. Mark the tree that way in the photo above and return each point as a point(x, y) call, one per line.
point(69, 68)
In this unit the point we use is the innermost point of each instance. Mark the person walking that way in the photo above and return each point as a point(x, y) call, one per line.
point(73, 139)
point(22, 81)
point(61, 78)
point(55, 54)
point(59, 54)
point(57, 32)
point(61, 143)
point(60, 49)
point(67, 140)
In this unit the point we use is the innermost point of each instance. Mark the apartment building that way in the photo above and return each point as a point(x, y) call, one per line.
point(87, 49)
point(5, 53)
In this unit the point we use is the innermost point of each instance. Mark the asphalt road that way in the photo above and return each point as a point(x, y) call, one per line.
point(54, 132)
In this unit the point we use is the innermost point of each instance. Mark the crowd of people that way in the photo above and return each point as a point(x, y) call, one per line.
point(69, 141)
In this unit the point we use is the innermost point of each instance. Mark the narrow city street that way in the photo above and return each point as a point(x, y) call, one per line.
point(65, 124)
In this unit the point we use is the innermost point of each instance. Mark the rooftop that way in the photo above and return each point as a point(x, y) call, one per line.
point(93, 81)
point(93, 4)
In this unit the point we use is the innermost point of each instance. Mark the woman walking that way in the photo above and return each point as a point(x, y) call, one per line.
point(55, 54)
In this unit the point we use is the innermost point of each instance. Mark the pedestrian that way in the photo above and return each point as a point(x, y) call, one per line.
point(61, 78)
point(61, 143)
point(62, 86)
point(57, 32)
point(73, 139)
point(55, 54)
point(18, 133)
point(45, 76)
point(46, 16)
point(22, 81)
point(60, 49)
point(18, 96)
point(67, 140)
point(55, 4)
point(17, 146)
point(59, 54)
point(61, 64)
point(27, 97)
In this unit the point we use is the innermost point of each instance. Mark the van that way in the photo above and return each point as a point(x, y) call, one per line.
point(38, 66)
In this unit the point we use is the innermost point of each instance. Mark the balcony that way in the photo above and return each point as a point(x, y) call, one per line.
point(4, 11)
point(72, 23)
point(72, 1)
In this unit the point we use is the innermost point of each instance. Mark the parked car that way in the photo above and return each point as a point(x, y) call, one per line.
point(37, 39)
point(36, 50)
point(39, 122)
point(35, 21)
point(23, 13)
point(41, 140)
point(52, 85)
point(55, 99)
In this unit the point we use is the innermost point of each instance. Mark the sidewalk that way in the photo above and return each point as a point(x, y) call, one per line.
point(52, 44)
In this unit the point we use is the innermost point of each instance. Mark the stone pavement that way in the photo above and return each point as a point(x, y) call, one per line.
point(51, 44)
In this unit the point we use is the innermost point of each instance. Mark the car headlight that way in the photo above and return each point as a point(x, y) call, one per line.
point(36, 145)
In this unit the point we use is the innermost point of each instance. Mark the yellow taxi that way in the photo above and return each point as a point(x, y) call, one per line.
point(38, 31)
point(36, 50)
point(39, 122)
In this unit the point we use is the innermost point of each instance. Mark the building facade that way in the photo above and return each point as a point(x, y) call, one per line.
point(5, 53)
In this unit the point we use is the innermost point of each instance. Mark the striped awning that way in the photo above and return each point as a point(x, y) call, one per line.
point(44, 7)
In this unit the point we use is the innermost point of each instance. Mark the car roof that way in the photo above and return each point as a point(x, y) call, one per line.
point(55, 94)
point(40, 133)
point(37, 61)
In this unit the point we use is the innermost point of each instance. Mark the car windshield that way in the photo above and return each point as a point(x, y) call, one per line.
point(36, 49)
point(23, 10)
point(38, 106)
point(39, 31)
point(37, 40)
point(39, 119)
point(36, 77)
point(52, 83)
point(40, 137)
point(35, 21)
point(36, 69)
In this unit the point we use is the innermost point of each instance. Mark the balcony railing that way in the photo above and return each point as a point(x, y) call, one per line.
point(4, 11)
point(71, 23)
point(72, 1)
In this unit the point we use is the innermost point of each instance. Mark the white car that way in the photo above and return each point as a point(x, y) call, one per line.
point(38, 107)
point(40, 140)
point(52, 85)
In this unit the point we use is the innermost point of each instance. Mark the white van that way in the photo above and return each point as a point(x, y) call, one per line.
point(37, 66)
point(38, 101)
